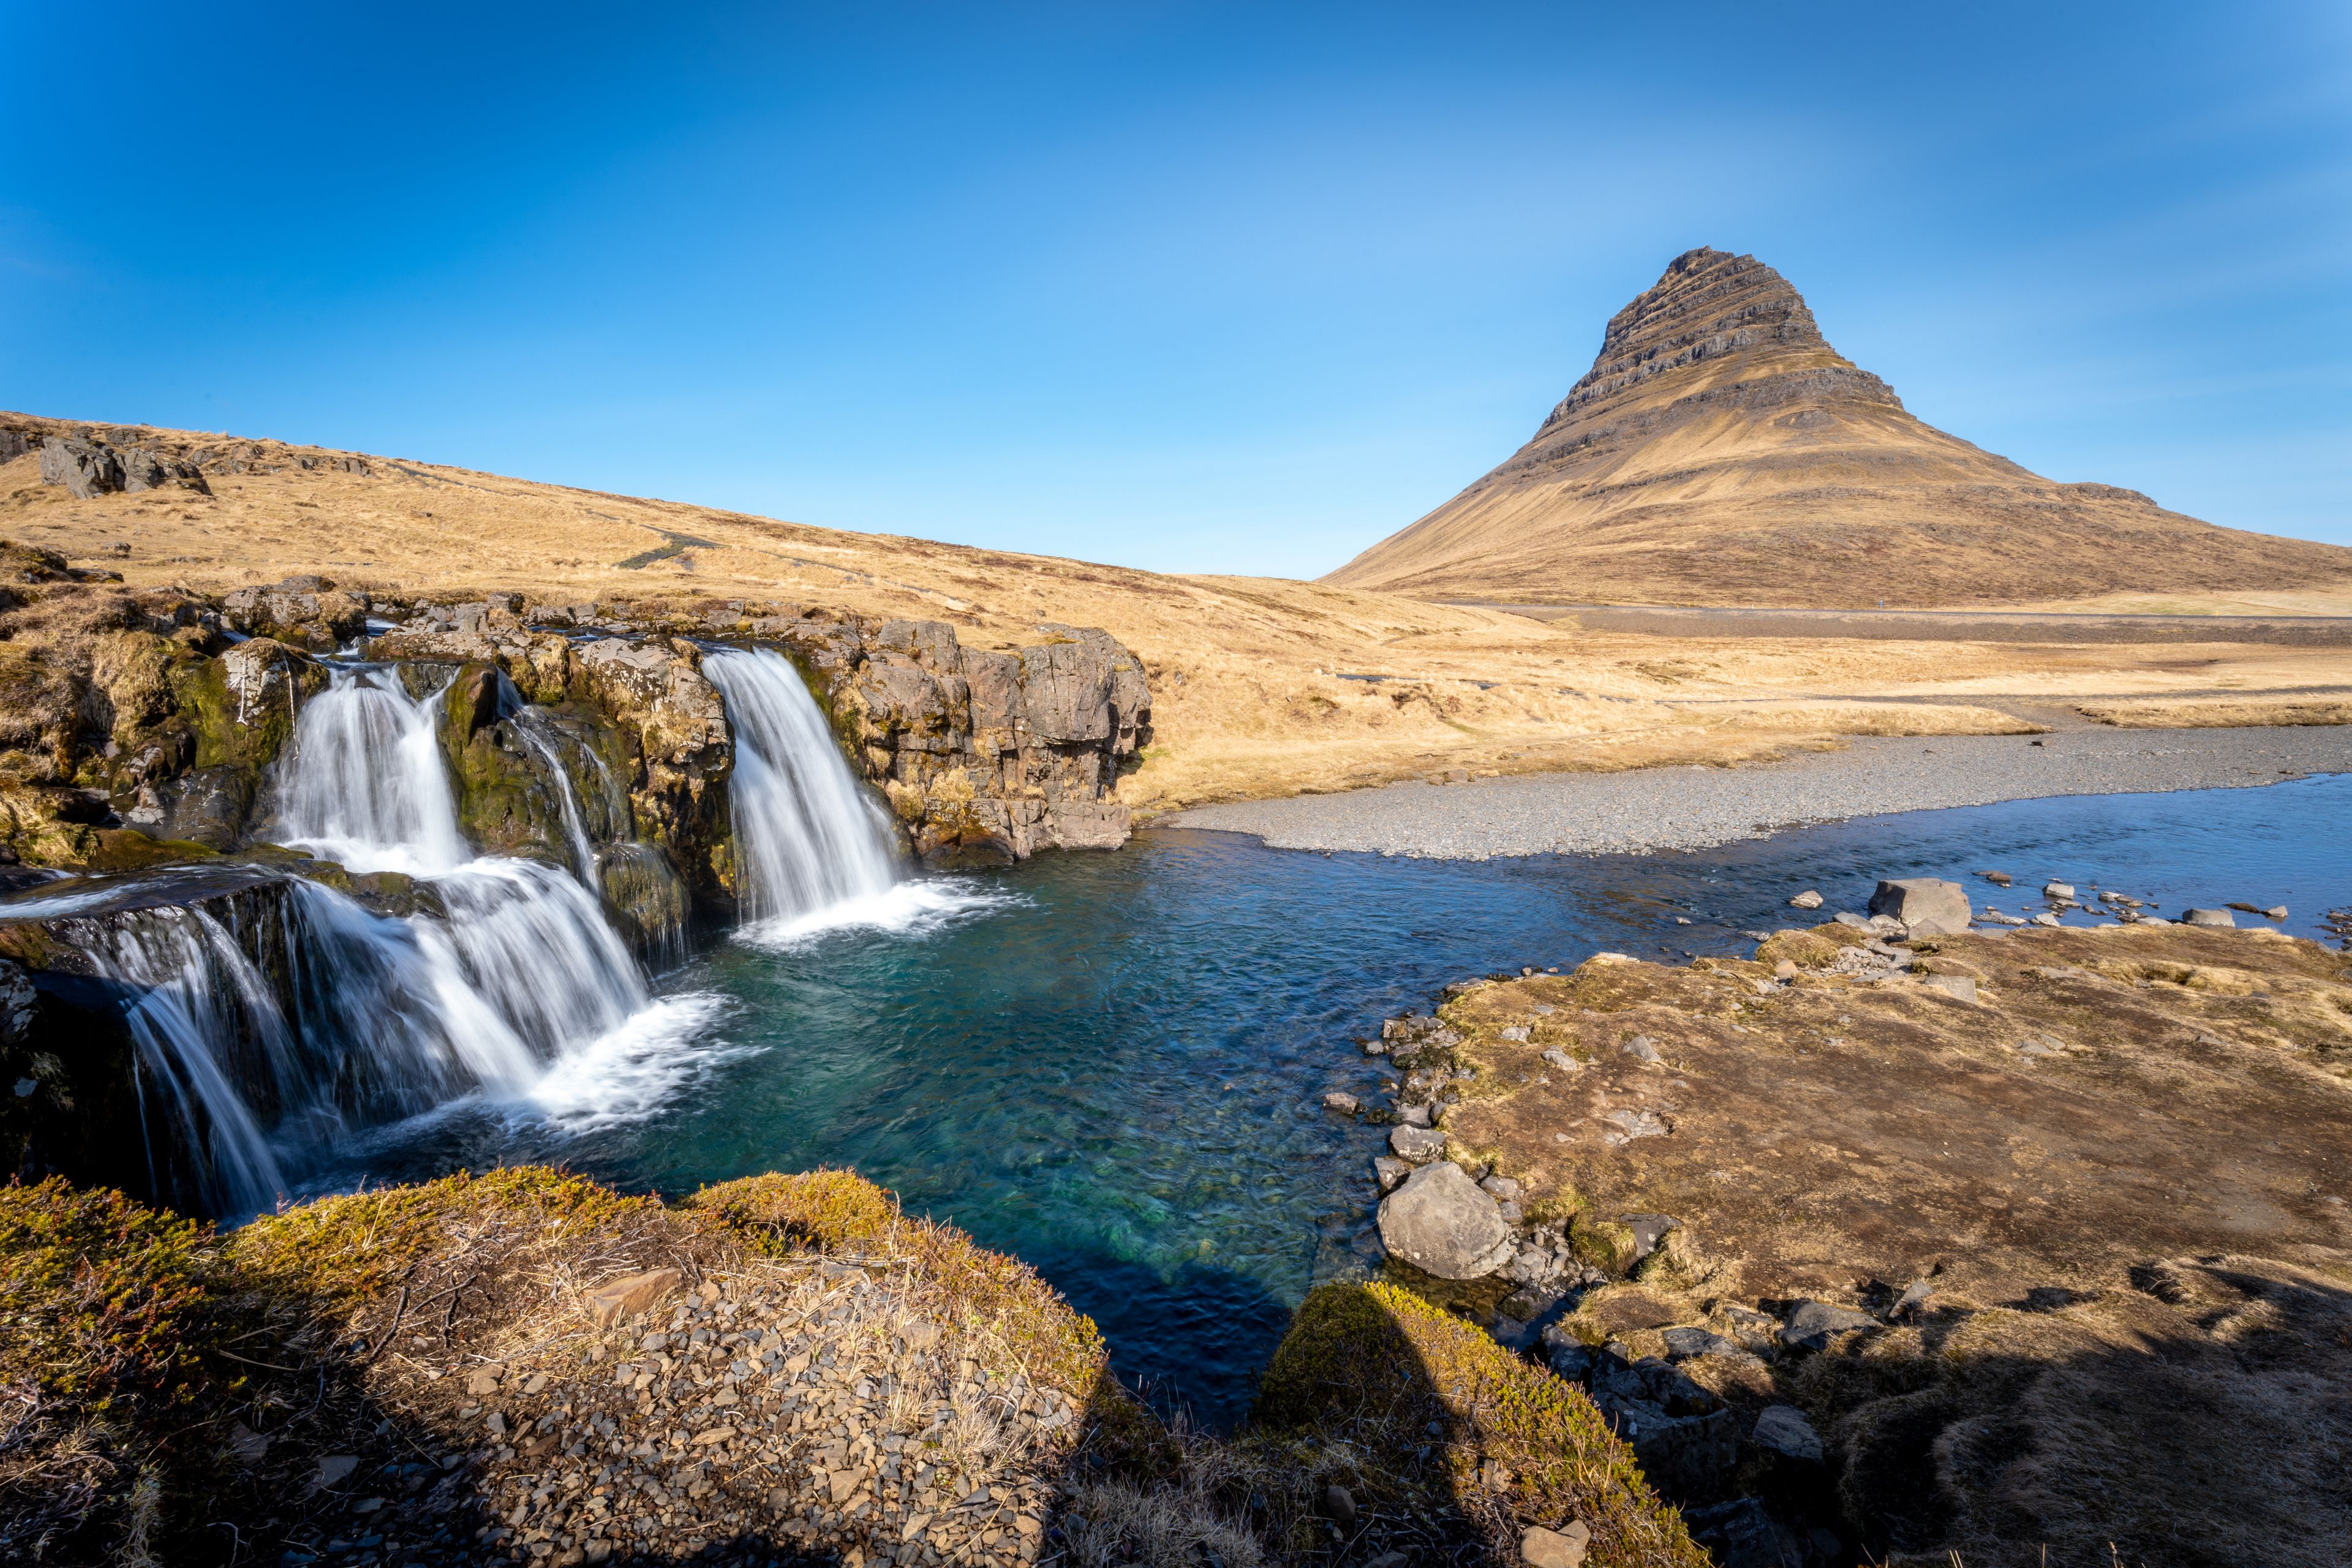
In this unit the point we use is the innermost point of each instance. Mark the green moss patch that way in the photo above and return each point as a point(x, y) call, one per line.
point(1435, 1402)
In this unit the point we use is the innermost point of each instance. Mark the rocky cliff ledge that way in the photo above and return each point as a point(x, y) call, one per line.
point(138, 727)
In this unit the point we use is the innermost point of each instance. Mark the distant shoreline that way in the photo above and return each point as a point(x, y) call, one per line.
point(1641, 810)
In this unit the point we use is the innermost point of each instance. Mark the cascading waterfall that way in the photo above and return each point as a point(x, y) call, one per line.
point(197, 996)
point(806, 836)
point(528, 728)
point(379, 1017)
point(366, 785)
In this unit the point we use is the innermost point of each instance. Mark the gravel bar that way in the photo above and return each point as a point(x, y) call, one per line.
point(1690, 808)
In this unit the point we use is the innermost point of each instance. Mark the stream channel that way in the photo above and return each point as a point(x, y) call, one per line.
point(1110, 1063)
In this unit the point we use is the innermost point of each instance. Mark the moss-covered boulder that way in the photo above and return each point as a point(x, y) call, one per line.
point(1441, 1411)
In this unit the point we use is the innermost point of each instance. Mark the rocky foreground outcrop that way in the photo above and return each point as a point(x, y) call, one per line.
point(1918, 1247)
point(525, 1367)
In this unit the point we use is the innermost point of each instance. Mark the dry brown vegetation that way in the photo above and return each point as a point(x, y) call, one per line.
point(1250, 675)
point(2120, 1173)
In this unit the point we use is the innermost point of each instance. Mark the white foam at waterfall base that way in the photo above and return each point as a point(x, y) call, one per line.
point(807, 837)
point(915, 908)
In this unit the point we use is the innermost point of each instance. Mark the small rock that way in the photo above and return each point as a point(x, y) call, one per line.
point(1516, 1032)
point(1686, 1343)
point(1440, 1222)
point(1641, 1048)
point(1561, 1548)
point(485, 1380)
point(1998, 878)
point(1959, 986)
point(334, 1469)
point(1811, 1324)
point(1785, 969)
point(2209, 918)
point(1783, 1429)
point(1339, 1507)
point(2058, 890)
point(1389, 1171)
point(1848, 918)
point(1807, 899)
point(1915, 1296)
point(617, 1300)
point(1561, 1060)
point(2275, 912)
point(1418, 1145)
point(1502, 1187)
point(1345, 1104)
point(1649, 1229)
point(248, 1447)
point(2045, 918)
point(1415, 1115)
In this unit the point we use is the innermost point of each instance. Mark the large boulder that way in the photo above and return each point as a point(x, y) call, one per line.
point(144, 468)
point(86, 469)
point(1928, 905)
point(1442, 1223)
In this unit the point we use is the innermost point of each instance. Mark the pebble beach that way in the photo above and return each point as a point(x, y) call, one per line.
point(1646, 809)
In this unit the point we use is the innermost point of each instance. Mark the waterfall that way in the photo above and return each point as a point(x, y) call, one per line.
point(366, 785)
point(528, 728)
point(195, 997)
point(271, 1043)
point(806, 836)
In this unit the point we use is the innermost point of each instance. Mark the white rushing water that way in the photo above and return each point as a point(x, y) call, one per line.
point(808, 840)
point(366, 785)
point(517, 991)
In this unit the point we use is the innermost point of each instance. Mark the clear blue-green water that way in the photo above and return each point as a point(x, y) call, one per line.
point(1110, 1063)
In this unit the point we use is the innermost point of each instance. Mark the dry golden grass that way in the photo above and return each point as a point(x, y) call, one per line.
point(1247, 674)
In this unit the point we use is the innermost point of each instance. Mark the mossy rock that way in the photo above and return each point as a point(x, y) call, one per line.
point(1814, 949)
point(1602, 1244)
point(1399, 1379)
point(128, 849)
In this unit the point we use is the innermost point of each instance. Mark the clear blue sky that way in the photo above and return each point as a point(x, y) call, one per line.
point(1191, 287)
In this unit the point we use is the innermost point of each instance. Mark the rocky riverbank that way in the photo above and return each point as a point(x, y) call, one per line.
point(525, 1367)
point(1915, 1247)
point(1635, 812)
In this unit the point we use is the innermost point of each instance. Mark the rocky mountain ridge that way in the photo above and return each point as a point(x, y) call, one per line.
point(1720, 452)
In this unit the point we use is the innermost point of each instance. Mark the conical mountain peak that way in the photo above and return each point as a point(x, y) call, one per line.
point(1720, 451)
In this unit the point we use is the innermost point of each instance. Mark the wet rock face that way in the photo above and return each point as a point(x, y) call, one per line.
point(985, 756)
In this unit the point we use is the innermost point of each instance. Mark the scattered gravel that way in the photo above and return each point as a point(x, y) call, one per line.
point(1691, 807)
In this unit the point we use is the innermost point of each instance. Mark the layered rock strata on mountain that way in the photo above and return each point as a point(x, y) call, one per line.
point(1720, 452)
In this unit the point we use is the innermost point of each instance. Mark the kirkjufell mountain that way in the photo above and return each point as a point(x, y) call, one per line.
point(1721, 452)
